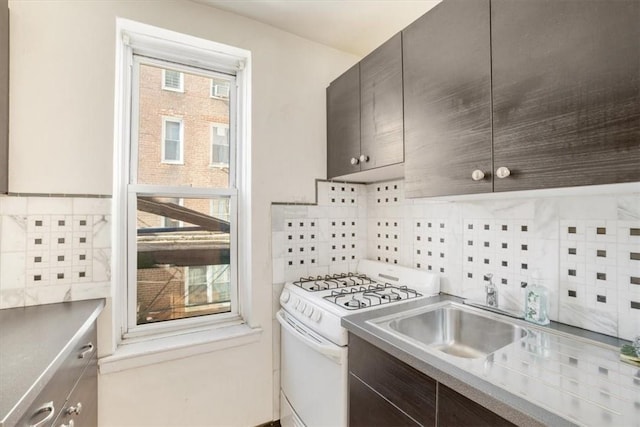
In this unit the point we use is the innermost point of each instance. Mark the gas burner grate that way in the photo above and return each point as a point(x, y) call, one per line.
point(333, 281)
point(371, 295)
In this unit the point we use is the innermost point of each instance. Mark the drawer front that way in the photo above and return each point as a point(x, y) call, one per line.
point(368, 409)
point(82, 405)
point(405, 387)
point(57, 390)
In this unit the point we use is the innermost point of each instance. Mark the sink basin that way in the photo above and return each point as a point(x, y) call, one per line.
point(453, 329)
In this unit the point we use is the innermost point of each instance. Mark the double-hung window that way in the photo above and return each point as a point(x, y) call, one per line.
point(181, 255)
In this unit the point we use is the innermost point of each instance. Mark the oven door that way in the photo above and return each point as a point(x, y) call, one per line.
point(313, 377)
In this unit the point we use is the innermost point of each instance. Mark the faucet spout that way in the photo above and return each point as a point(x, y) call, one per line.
point(491, 291)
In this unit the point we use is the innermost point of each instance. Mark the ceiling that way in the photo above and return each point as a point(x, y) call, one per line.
point(354, 26)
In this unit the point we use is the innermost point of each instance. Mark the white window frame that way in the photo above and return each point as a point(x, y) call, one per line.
point(196, 54)
point(169, 88)
point(163, 159)
point(213, 129)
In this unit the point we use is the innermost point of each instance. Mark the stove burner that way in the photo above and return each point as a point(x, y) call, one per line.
point(391, 297)
point(354, 303)
point(368, 296)
point(343, 280)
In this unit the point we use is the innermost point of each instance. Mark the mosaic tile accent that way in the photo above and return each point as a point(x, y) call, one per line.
point(387, 240)
point(53, 250)
point(388, 193)
point(301, 242)
point(431, 245)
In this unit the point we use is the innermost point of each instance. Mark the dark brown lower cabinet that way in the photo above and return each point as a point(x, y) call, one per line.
point(456, 410)
point(367, 408)
point(384, 391)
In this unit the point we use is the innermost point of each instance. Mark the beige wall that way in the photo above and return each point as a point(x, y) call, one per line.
point(62, 77)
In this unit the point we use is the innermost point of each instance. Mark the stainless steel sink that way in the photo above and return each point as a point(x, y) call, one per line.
point(453, 329)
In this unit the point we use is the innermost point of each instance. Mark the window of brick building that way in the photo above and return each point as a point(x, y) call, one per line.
point(172, 80)
point(179, 255)
point(172, 146)
point(219, 89)
point(220, 145)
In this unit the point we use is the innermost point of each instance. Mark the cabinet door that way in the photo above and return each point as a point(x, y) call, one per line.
point(447, 100)
point(368, 409)
point(456, 410)
point(382, 138)
point(566, 92)
point(343, 123)
point(403, 386)
point(4, 95)
point(82, 405)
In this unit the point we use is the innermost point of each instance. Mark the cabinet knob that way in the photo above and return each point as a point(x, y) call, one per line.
point(86, 350)
point(477, 175)
point(69, 424)
point(75, 410)
point(503, 172)
point(354, 161)
point(364, 158)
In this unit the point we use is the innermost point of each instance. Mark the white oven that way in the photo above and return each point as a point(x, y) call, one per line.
point(313, 356)
point(312, 369)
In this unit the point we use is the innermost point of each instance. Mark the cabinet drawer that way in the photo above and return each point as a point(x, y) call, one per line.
point(82, 405)
point(57, 390)
point(368, 409)
point(456, 410)
point(404, 386)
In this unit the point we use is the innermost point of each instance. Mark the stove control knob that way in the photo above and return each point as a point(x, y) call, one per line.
point(301, 307)
point(309, 311)
point(284, 297)
point(295, 302)
point(316, 316)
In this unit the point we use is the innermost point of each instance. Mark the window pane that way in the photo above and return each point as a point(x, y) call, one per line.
point(184, 261)
point(172, 150)
point(198, 112)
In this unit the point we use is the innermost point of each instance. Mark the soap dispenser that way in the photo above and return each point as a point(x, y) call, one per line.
point(536, 302)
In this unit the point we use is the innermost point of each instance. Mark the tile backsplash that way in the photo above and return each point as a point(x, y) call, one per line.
point(54, 249)
point(584, 249)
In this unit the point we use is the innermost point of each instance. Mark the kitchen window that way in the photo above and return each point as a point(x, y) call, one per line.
point(178, 249)
point(172, 80)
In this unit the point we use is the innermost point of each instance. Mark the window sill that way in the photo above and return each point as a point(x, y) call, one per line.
point(156, 350)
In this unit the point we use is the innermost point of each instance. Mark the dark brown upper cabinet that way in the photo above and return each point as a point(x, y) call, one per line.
point(4, 95)
point(364, 114)
point(566, 92)
point(343, 123)
point(447, 100)
point(381, 123)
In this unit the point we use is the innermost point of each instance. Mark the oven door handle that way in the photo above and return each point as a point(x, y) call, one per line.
point(317, 343)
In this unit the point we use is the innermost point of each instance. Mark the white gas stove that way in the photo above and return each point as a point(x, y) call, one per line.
point(320, 302)
point(314, 344)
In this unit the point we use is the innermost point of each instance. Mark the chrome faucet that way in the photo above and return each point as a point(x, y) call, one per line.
point(491, 291)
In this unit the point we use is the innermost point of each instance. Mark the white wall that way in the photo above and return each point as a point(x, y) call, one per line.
point(61, 140)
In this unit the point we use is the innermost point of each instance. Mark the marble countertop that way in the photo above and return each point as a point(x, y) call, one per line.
point(556, 375)
point(34, 341)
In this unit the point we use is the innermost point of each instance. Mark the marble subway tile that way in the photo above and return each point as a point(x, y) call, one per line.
point(12, 270)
